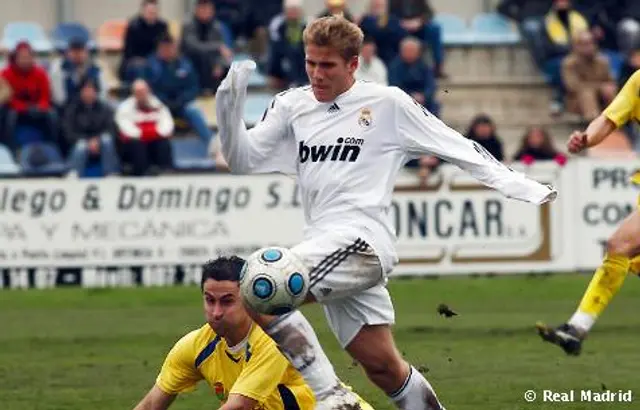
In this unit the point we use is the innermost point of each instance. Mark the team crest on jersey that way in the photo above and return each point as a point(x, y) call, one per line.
point(218, 389)
point(365, 120)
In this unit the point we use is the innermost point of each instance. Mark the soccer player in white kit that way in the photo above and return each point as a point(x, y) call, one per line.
point(346, 140)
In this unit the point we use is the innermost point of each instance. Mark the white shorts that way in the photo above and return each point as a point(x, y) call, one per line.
point(347, 278)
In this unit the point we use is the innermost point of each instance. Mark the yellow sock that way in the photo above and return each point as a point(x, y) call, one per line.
point(634, 268)
point(605, 284)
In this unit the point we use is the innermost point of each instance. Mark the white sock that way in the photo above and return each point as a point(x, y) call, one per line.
point(582, 321)
point(298, 343)
point(416, 394)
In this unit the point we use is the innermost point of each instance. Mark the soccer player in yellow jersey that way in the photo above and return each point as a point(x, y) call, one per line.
point(623, 247)
point(239, 362)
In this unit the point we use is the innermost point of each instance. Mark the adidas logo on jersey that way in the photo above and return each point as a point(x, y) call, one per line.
point(345, 150)
point(334, 108)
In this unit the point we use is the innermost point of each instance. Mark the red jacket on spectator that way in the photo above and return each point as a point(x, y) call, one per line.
point(144, 123)
point(30, 87)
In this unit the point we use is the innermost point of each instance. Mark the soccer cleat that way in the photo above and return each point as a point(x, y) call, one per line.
point(339, 399)
point(566, 336)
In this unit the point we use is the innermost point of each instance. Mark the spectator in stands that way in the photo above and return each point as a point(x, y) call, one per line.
point(233, 14)
point(88, 125)
point(384, 28)
point(411, 74)
point(416, 17)
point(483, 131)
point(425, 166)
point(30, 101)
point(587, 78)
point(370, 67)
point(69, 73)
point(537, 145)
point(286, 66)
point(261, 12)
point(562, 23)
point(529, 14)
point(174, 81)
point(145, 126)
point(140, 40)
point(336, 8)
point(628, 28)
point(203, 43)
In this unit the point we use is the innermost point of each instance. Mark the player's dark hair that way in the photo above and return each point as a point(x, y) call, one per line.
point(222, 268)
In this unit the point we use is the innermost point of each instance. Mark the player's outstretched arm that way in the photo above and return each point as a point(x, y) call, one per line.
point(421, 133)
point(597, 131)
point(156, 399)
point(238, 402)
point(262, 149)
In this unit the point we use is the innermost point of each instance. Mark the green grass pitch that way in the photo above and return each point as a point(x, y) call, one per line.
point(77, 349)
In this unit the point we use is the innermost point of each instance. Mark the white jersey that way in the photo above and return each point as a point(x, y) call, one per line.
point(347, 153)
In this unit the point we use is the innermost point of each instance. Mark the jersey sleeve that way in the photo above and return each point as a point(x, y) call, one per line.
point(421, 133)
point(267, 147)
point(178, 373)
point(264, 371)
point(620, 109)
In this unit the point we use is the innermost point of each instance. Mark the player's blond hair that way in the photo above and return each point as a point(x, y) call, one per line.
point(337, 33)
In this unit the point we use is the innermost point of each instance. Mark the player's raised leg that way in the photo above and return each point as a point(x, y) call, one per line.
point(622, 247)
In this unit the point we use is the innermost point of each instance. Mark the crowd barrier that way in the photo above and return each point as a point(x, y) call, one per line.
point(158, 231)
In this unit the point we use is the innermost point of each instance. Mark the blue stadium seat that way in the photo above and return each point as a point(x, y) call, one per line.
point(42, 159)
point(255, 106)
point(454, 29)
point(492, 28)
point(191, 153)
point(65, 32)
point(16, 32)
point(8, 166)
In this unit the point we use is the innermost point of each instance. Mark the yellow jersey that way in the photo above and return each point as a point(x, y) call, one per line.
point(256, 369)
point(625, 108)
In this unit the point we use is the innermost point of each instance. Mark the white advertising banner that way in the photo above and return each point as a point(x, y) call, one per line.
point(453, 225)
point(604, 197)
point(121, 221)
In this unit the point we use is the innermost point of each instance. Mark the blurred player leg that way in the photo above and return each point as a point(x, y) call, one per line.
point(622, 247)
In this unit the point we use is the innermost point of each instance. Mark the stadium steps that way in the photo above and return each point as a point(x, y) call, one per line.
point(499, 62)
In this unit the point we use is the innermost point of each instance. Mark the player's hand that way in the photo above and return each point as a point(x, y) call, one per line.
point(577, 142)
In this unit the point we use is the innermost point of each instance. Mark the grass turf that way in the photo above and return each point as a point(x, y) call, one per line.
point(75, 349)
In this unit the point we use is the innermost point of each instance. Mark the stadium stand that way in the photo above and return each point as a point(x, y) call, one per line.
point(488, 66)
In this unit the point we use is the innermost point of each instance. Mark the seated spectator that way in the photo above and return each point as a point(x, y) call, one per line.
point(88, 125)
point(140, 40)
point(145, 126)
point(74, 69)
point(483, 131)
point(30, 101)
point(628, 27)
point(410, 73)
point(233, 14)
point(384, 28)
point(286, 66)
point(425, 165)
point(174, 81)
point(537, 145)
point(336, 8)
point(203, 43)
point(260, 14)
point(562, 23)
point(529, 16)
point(370, 67)
point(587, 78)
point(416, 17)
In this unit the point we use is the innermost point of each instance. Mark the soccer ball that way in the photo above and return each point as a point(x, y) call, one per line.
point(274, 281)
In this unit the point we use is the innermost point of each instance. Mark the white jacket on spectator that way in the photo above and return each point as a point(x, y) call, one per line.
point(144, 124)
point(376, 72)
